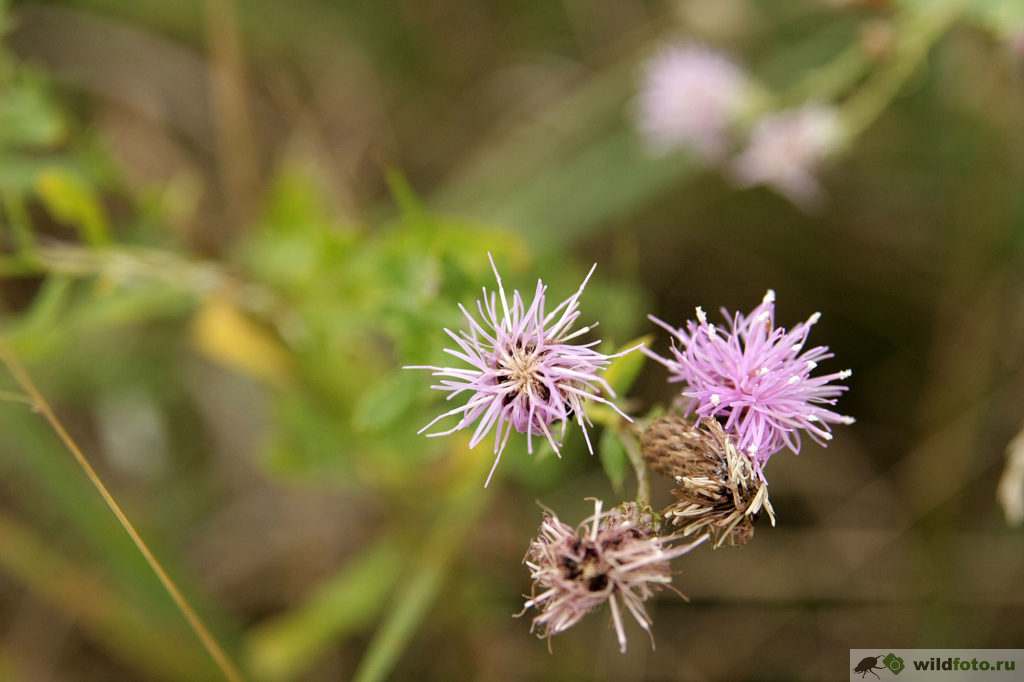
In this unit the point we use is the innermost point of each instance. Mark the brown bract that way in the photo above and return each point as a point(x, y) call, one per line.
point(717, 491)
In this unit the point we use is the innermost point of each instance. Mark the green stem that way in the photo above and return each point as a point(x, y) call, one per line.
point(636, 458)
point(831, 80)
point(427, 574)
point(867, 105)
point(287, 646)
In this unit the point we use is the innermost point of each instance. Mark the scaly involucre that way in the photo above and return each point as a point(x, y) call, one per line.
point(525, 370)
point(756, 378)
point(611, 556)
point(717, 487)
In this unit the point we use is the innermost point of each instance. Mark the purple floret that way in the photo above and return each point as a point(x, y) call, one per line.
point(756, 379)
point(524, 371)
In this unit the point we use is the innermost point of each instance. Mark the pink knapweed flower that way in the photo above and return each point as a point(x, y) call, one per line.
point(689, 97)
point(786, 150)
point(525, 370)
point(756, 379)
point(611, 556)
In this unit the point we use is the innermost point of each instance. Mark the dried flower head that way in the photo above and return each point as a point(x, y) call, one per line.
point(525, 370)
point(756, 378)
point(611, 556)
point(689, 98)
point(786, 150)
point(718, 489)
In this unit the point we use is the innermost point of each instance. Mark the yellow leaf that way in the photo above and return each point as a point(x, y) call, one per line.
point(224, 334)
point(72, 201)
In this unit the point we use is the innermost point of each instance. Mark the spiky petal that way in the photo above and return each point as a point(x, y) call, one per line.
point(524, 370)
point(612, 556)
point(756, 378)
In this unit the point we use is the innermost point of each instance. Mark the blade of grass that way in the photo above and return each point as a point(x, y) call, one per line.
point(211, 645)
point(49, 485)
point(428, 571)
point(284, 647)
point(102, 613)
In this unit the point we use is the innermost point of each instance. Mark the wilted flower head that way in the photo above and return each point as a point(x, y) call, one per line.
point(689, 97)
point(785, 151)
point(524, 370)
point(756, 378)
point(611, 556)
point(717, 488)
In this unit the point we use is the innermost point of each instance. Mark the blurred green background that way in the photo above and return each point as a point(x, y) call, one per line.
point(226, 224)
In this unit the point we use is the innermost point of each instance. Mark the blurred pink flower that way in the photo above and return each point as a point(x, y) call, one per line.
point(756, 377)
point(786, 150)
point(611, 556)
point(688, 98)
point(1016, 43)
point(525, 371)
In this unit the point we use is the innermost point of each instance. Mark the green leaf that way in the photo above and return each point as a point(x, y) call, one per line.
point(624, 370)
point(613, 458)
point(28, 118)
point(309, 438)
point(49, 303)
point(584, 190)
point(402, 192)
point(385, 403)
point(71, 200)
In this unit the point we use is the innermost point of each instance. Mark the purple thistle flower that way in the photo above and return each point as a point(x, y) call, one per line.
point(756, 377)
point(524, 370)
point(611, 556)
point(785, 151)
point(689, 97)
